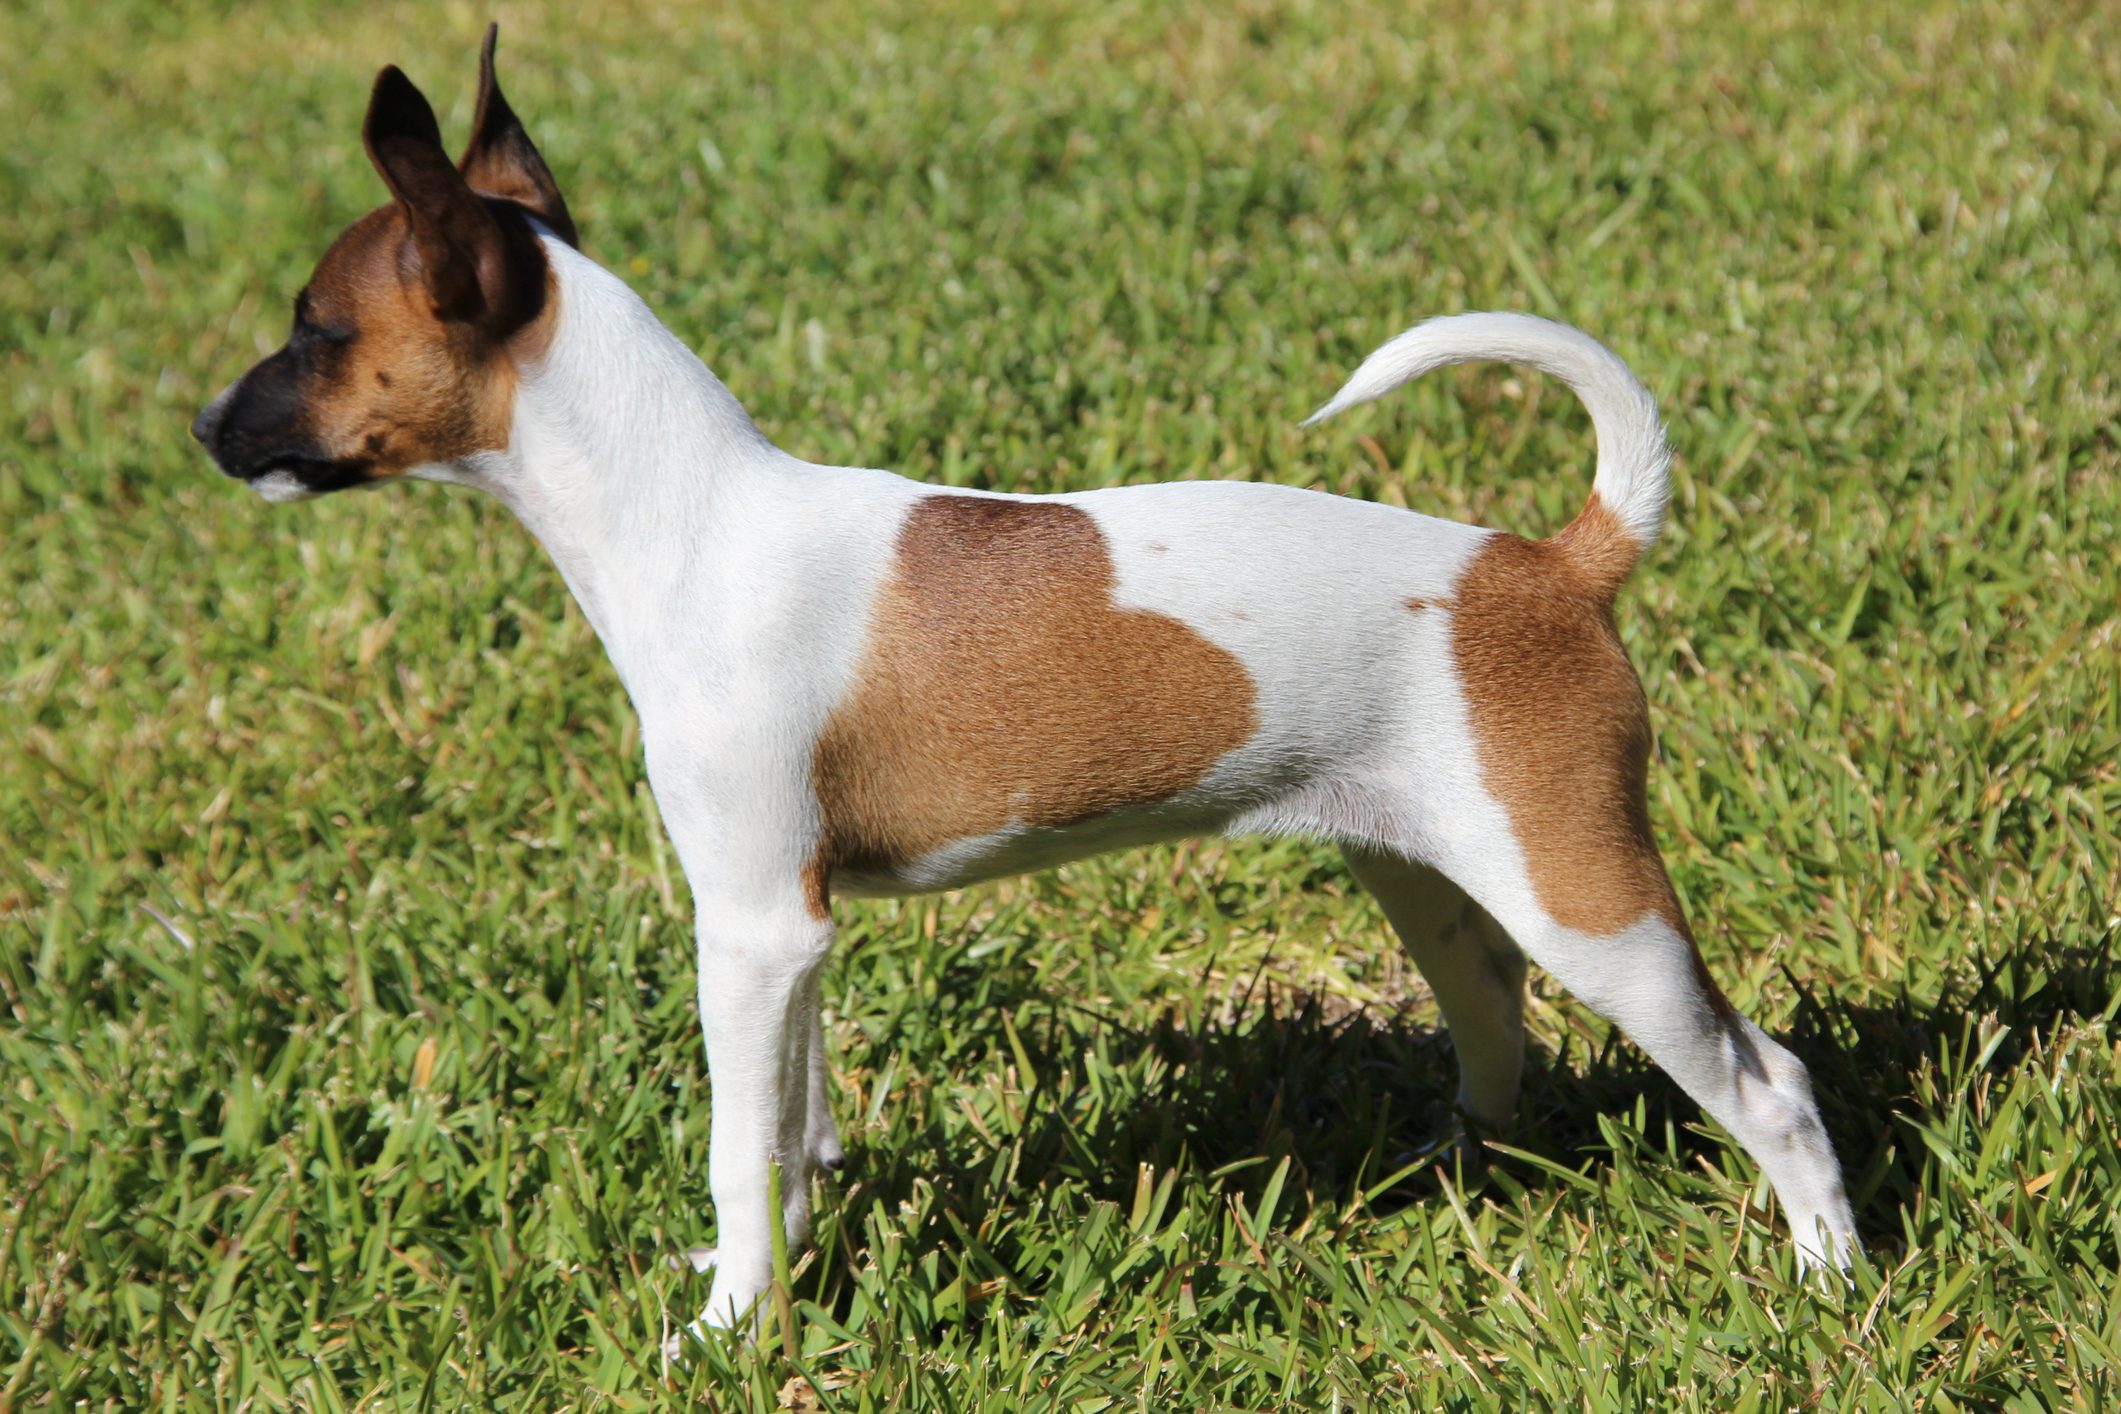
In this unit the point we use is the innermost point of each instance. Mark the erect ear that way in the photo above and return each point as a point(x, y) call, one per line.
point(476, 269)
point(502, 161)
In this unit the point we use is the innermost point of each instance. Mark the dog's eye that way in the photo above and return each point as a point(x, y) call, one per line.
point(318, 338)
point(308, 328)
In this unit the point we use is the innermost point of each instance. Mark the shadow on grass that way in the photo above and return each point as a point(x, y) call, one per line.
point(1881, 1064)
point(1350, 1097)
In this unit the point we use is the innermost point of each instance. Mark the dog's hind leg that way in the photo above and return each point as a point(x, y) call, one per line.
point(1599, 915)
point(1475, 970)
point(1549, 831)
point(1650, 981)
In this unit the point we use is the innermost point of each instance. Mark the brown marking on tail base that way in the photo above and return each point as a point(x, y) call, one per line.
point(1561, 724)
point(817, 886)
point(1598, 549)
point(1003, 685)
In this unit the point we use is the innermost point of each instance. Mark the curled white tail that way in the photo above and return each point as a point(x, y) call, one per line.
point(1632, 479)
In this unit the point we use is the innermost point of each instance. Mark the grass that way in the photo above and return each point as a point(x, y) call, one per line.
point(345, 1002)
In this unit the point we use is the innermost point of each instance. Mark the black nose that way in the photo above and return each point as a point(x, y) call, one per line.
point(207, 423)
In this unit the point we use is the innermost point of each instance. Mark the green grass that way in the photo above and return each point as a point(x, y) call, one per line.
point(413, 1114)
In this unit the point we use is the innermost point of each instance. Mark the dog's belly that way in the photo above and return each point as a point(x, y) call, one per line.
point(1027, 849)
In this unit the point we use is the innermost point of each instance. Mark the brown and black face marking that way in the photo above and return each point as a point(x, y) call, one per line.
point(406, 338)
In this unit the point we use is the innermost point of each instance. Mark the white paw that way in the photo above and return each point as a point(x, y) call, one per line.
point(733, 1304)
point(697, 1259)
point(1826, 1243)
point(700, 1259)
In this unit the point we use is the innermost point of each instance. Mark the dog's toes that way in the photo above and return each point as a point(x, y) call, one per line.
point(1470, 1146)
point(700, 1259)
point(829, 1154)
point(681, 1345)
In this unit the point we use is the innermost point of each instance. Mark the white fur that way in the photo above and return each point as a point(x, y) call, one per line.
point(1633, 462)
point(731, 585)
point(281, 488)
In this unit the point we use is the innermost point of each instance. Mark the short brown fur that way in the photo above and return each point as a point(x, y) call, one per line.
point(1560, 721)
point(1003, 685)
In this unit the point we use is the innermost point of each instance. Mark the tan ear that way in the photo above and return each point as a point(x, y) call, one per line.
point(478, 269)
point(502, 161)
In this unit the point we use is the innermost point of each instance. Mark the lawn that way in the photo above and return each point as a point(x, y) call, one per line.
point(350, 1052)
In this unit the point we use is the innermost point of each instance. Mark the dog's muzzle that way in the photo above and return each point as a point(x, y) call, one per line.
point(265, 463)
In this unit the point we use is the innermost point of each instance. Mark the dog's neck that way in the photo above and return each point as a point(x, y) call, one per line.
point(625, 455)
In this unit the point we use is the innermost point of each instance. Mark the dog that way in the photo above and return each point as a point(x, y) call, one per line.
point(854, 684)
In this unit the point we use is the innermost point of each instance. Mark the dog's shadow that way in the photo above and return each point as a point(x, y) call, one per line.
point(1901, 1058)
point(1351, 1096)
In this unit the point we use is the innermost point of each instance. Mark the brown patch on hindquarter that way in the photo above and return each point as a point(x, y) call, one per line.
point(1560, 721)
point(1002, 685)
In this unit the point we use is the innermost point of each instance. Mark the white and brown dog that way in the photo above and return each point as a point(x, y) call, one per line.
point(854, 684)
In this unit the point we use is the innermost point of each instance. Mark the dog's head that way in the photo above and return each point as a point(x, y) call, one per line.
point(408, 334)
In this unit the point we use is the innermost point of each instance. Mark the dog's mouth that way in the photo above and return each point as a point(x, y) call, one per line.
point(296, 476)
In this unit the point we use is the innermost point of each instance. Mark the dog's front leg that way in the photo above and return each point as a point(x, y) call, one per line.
point(823, 1136)
point(741, 817)
point(756, 974)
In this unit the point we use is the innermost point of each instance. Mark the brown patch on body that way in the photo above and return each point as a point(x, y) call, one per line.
point(817, 886)
point(1003, 686)
point(1560, 721)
